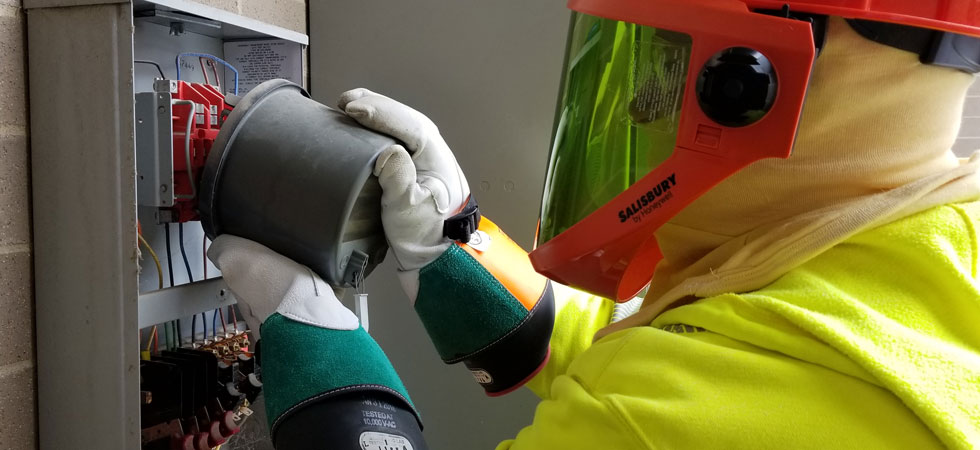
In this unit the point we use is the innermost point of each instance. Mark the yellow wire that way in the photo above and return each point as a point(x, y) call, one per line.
point(155, 260)
point(153, 334)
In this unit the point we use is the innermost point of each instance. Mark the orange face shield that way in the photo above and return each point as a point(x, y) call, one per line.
point(659, 103)
point(663, 99)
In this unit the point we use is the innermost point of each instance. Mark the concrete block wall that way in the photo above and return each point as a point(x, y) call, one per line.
point(17, 370)
point(289, 14)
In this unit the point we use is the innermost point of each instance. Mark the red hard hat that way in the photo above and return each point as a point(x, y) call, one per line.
point(957, 16)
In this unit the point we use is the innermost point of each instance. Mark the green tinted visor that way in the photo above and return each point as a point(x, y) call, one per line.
point(617, 118)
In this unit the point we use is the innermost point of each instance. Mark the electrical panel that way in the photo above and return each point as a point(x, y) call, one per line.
point(199, 377)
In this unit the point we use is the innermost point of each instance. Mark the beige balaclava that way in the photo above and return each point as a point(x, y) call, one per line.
point(873, 146)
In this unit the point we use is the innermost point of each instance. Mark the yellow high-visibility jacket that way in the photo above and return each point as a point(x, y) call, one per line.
point(874, 343)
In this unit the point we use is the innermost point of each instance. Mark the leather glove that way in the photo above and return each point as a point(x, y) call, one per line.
point(316, 359)
point(265, 283)
point(478, 297)
point(421, 190)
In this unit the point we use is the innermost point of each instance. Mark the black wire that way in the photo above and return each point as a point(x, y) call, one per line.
point(183, 253)
point(170, 260)
point(180, 339)
point(193, 329)
point(204, 325)
point(159, 69)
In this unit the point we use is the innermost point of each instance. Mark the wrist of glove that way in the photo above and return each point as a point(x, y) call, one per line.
point(314, 351)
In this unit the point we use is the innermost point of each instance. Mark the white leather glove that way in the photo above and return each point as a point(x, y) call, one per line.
point(479, 298)
point(420, 191)
point(313, 350)
point(265, 282)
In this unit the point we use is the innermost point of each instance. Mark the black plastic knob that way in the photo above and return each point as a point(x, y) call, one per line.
point(246, 364)
point(737, 86)
point(225, 372)
point(251, 386)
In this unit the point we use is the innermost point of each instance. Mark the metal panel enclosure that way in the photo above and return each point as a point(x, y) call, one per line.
point(84, 182)
point(83, 176)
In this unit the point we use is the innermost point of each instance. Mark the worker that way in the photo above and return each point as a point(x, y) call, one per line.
point(812, 269)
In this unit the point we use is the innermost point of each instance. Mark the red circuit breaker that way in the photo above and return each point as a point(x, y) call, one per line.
point(191, 146)
point(176, 125)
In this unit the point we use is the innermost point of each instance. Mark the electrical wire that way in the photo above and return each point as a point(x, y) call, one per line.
point(224, 327)
point(211, 57)
point(153, 335)
point(180, 337)
point(204, 70)
point(173, 335)
point(156, 260)
point(183, 253)
point(193, 329)
point(204, 255)
point(234, 317)
point(204, 325)
point(170, 259)
point(214, 70)
point(214, 323)
point(154, 64)
point(166, 336)
point(187, 148)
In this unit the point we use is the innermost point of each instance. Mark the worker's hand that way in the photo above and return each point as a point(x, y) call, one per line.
point(318, 365)
point(478, 297)
point(265, 282)
point(423, 186)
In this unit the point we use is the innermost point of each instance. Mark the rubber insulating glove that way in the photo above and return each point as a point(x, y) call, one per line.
point(478, 296)
point(314, 353)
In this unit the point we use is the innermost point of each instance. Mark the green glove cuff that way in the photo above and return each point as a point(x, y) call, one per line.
point(473, 318)
point(303, 363)
point(463, 306)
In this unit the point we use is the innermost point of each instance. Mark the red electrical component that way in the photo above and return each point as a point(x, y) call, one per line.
point(207, 105)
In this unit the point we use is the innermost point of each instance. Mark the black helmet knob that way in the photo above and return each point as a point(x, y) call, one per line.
point(737, 86)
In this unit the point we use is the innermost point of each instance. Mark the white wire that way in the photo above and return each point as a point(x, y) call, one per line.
point(187, 147)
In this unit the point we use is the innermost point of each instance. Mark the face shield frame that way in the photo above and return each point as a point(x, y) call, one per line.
point(612, 252)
